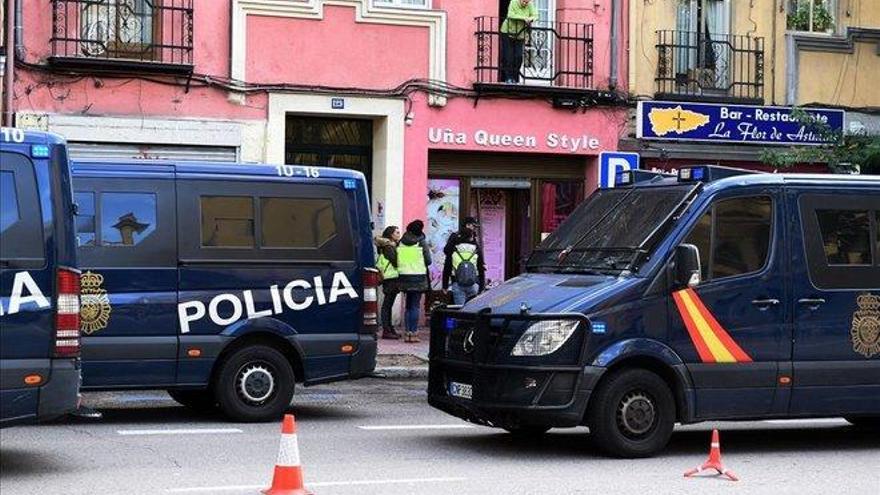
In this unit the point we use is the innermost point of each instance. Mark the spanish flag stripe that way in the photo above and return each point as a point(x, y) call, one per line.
point(738, 353)
point(696, 338)
point(716, 347)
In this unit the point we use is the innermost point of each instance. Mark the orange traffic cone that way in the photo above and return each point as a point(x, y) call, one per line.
point(714, 461)
point(288, 478)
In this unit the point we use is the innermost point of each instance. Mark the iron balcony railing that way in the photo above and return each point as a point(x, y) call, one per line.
point(557, 54)
point(710, 66)
point(115, 32)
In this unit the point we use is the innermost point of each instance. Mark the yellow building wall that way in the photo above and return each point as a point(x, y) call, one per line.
point(840, 78)
point(849, 73)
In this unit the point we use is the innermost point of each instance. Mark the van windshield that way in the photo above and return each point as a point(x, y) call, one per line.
point(611, 230)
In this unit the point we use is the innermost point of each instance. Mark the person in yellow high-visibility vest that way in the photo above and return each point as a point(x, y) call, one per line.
point(386, 262)
point(413, 259)
point(464, 270)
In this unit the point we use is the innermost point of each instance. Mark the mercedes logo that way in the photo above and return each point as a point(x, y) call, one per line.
point(468, 344)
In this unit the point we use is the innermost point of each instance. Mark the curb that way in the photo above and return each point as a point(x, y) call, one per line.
point(403, 372)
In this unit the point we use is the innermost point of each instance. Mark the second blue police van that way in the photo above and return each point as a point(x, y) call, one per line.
point(225, 284)
point(716, 294)
point(39, 281)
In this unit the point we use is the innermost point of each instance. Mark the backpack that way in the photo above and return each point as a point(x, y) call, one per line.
point(466, 271)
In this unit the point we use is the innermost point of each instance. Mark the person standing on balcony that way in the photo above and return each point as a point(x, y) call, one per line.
point(514, 31)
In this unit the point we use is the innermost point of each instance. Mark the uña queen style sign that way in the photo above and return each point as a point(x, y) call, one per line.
point(664, 120)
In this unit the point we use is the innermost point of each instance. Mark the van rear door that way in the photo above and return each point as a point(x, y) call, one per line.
point(836, 294)
point(26, 279)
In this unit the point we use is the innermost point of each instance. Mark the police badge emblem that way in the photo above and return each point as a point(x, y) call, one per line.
point(866, 326)
point(94, 313)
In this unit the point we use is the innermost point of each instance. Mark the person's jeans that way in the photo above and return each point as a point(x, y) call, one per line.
point(511, 57)
point(388, 306)
point(413, 299)
point(461, 293)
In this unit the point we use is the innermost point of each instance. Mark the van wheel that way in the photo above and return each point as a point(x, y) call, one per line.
point(255, 384)
point(864, 421)
point(201, 401)
point(527, 432)
point(632, 414)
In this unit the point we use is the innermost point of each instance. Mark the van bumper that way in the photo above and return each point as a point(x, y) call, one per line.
point(60, 395)
point(514, 396)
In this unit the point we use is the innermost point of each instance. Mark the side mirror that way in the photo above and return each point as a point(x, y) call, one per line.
point(687, 265)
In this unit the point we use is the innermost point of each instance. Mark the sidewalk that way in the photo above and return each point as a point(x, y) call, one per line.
point(398, 359)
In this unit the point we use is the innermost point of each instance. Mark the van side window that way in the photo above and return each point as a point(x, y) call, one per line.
point(296, 222)
point(734, 236)
point(127, 218)
point(8, 201)
point(85, 219)
point(841, 239)
point(227, 221)
point(125, 222)
point(846, 236)
point(21, 220)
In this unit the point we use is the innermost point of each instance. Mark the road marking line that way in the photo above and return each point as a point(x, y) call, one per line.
point(319, 484)
point(416, 427)
point(192, 431)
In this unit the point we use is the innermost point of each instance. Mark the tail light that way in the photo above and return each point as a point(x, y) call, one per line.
point(67, 314)
point(371, 300)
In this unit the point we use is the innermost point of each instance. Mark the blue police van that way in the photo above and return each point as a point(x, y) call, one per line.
point(224, 283)
point(716, 294)
point(39, 282)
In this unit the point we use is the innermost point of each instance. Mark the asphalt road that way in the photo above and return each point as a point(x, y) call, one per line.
point(380, 437)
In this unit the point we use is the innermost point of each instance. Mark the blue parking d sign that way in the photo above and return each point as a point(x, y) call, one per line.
point(612, 162)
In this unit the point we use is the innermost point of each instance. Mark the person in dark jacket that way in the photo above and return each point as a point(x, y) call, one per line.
point(464, 246)
point(413, 259)
point(386, 262)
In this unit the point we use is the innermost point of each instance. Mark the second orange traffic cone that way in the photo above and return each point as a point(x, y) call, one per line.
point(714, 461)
point(288, 477)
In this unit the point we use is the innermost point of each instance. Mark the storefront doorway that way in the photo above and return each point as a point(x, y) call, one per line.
point(519, 199)
point(330, 142)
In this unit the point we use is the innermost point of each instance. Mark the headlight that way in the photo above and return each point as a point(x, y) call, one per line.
point(544, 337)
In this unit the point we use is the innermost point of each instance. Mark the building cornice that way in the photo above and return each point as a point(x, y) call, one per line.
point(365, 12)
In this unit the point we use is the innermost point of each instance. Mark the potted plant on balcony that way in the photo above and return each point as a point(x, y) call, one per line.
point(823, 20)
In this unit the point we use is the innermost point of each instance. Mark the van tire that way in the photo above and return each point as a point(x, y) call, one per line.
point(254, 384)
point(201, 401)
point(631, 414)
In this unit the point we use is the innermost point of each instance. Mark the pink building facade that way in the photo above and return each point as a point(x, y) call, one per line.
point(407, 91)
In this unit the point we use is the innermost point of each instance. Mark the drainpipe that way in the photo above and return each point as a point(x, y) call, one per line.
point(615, 49)
point(19, 30)
point(10, 63)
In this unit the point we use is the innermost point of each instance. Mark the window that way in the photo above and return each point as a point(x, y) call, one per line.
point(120, 28)
point(85, 219)
point(296, 222)
point(733, 237)
point(815, 16)
point(846, 236)
point(21, 220)
point(403, 3)
point(127, 218)
point(8, 201)
point(227, 221)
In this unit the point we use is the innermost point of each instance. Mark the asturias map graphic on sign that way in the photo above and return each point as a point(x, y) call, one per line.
point(680, 121)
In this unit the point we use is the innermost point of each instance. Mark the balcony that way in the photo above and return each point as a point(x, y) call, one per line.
point(557, 59)
point(710, 67)
point(129, 36)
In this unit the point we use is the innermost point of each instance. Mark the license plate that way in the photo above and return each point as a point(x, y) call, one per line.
point(461, 390)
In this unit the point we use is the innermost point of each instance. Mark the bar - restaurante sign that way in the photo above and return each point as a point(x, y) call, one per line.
point(720, 123)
